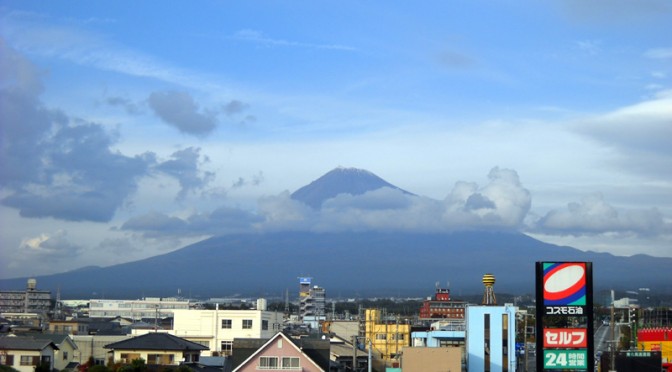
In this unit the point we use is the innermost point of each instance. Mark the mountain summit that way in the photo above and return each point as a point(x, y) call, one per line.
point(340, 180)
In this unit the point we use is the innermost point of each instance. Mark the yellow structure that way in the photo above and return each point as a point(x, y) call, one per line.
point(489, 293)
point(665, 348)
point(387, 337)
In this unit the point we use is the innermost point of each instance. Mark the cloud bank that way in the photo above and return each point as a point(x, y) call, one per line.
point(54, 165)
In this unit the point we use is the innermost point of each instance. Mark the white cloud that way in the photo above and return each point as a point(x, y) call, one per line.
point(258, 37)
point(659, 53)
point(640, 134)
point(593, 215)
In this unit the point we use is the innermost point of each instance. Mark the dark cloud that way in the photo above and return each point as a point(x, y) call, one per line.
point(220, 221)
point(478, 201)
point(54, 246)
point(235, 107)
point(154, 222)
point(181, 111)
point(254, 180)
point(184, 166)
point(52, 165)
point(128, 105)
point(118, 246)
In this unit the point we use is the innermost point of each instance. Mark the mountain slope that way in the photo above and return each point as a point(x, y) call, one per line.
point(340, 181)
point(346, 264)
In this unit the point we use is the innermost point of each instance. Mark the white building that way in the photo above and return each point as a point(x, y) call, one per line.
point(216, 329)
point(149, 307)
point(491, 338)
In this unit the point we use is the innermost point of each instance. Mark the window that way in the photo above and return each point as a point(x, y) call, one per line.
point(189, 358)
point(163, 359)
point(127, 358)
point(226, 323)
point(27, 360)
point(381, 336)
point(7, 359)
point(264, 325)
point(227, 347)
point(268, 362)
point(290, 363)
point(247, 323)
point(65, 355)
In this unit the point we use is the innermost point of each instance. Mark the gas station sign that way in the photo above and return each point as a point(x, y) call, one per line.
point(564, 293)
point(565, 359)
point(565, 338)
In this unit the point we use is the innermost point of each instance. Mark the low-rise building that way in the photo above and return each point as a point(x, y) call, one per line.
point(25, 353)
point(156, 349)
point(442, 306)
point(387, 337)
point(149, 307)
point(216, 329)
point(431, 359)
point(281, 352)
point(93, 347)
point(491, 338)
point(65, 357)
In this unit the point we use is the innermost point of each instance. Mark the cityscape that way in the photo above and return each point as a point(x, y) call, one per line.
point(439, 332)
point(225, 186)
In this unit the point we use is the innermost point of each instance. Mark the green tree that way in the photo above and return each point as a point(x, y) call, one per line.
point(43, 367)
point(100, 369)
point(4, 368)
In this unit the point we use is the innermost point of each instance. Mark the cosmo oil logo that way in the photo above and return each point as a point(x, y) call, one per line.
point(564, 283)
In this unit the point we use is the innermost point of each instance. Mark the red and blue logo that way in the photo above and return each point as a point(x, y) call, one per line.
point(565, 283)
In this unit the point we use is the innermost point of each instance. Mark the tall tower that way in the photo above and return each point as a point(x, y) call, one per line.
point(489, 293)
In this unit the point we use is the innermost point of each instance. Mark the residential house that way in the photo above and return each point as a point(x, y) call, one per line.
point(281, 352)
point(156, 348)
point(93, 346)
point(77, 326)
point(66, 355)
point(25, 353)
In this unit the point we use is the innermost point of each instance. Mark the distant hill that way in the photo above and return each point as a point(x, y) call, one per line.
point(349, 264)
point(341, 180)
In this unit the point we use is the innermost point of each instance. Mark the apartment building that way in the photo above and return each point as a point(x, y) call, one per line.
point(149, 307)
point(216, 329)
point(30, 300)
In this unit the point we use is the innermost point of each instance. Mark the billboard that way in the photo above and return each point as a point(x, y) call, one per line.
point(565, 338)
point(564, 292)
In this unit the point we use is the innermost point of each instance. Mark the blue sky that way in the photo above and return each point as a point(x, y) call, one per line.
point(130, 129)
